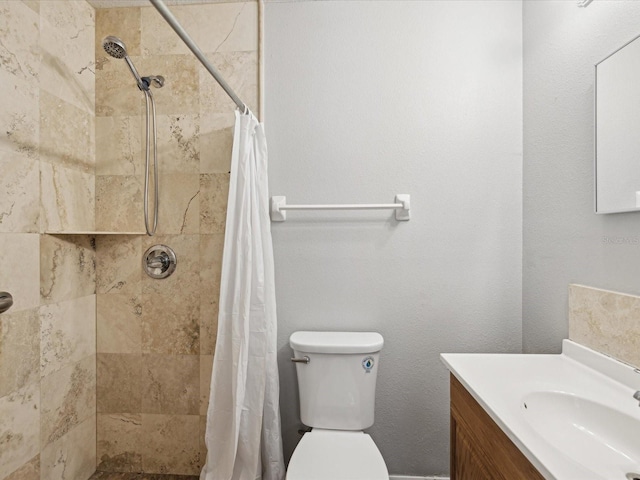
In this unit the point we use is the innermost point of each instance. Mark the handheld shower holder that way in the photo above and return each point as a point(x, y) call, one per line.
point(156, 81)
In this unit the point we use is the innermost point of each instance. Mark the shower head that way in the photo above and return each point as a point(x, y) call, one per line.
point(114, 47)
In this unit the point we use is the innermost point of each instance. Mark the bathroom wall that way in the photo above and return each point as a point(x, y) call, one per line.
point(365, 100)
point(156, 338)
point(47, 339)
point(564, 240)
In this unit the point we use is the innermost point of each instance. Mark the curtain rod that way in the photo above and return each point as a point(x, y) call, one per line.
point(171, 20)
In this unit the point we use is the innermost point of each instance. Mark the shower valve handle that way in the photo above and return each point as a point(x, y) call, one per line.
point(159, 261)
point(6, 301)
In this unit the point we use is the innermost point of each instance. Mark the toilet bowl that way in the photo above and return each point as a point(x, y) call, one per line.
point(336, 455)
point(337, 374)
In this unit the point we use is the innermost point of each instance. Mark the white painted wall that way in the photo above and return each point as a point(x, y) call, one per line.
point(563, 238)
point(368, 99)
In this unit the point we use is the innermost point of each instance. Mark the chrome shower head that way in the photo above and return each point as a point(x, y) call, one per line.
point(114, 47)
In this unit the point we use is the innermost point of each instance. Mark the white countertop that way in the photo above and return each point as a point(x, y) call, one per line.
point(502, 383)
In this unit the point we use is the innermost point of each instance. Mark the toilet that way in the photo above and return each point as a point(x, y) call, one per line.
point(337, 374)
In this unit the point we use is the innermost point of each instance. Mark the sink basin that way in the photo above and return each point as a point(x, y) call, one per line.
point(596, 436)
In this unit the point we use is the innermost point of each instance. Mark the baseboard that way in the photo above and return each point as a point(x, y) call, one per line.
point(404, 477)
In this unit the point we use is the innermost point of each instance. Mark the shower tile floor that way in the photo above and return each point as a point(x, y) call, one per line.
point(140, 476)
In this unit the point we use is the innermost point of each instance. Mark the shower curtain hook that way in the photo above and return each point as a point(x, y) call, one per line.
point(246, 109)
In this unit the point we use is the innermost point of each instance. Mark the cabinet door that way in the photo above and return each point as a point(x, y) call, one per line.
point(480, 450)
point(468, 461)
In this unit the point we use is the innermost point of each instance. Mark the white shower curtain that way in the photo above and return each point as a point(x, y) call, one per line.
point(243, 433)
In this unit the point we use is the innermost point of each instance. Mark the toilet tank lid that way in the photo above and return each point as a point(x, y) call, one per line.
point(336, 342)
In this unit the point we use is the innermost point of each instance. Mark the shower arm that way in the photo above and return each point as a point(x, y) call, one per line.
point(171, 20)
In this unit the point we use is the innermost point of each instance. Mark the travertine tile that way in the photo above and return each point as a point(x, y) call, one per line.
point(179, 94)
point(214, 191)
point(29, 471)
point(33, 5)
point(91, 154)
point(208, 324)
point(206, 367)
point(67, 333)
point(120, 147)
point(68, 399)
point(19, 79)
point(67, 36)
point(66, 132)
point(116, 91)
point(119, 203)
point(175, 447)
point(219, 27)
point(178, 144)
point(67, 199)
point(606, 321)
point(67, 267)
point(123, 23)
point(119, 323)
point(73, 456)
point(20, 203)
point(20, 268)
point(211, 247)
point(170, 323)
point(202, 440)
point(120, 442)
point(119, 383)
point(19, 350)
point(239, 69)
point(140, 476)
point(170, 384)
point(179, 211)
point(20, 427)
point(216, 141)
point(118, 264)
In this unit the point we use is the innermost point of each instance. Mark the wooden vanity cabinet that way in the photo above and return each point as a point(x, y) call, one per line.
point(480, 450)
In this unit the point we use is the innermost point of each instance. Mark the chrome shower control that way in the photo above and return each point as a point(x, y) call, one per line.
point(159, 261)
point(6, 301)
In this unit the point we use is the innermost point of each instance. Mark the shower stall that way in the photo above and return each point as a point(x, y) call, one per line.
point(102, 367)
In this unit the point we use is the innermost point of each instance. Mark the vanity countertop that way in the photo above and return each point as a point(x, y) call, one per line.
point(572, 415)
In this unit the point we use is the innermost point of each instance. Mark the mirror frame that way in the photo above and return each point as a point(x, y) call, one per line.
point(595, 133)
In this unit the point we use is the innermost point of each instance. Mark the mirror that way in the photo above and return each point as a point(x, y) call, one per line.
point(617, 106)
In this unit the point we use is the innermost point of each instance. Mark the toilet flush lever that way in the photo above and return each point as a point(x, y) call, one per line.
point(304, 359)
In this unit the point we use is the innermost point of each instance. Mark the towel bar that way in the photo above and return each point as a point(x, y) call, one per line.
point(401, 206)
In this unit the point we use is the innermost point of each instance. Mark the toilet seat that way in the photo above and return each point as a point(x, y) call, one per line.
point(336, 455)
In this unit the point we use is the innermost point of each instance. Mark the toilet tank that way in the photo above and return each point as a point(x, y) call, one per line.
point(338, 385)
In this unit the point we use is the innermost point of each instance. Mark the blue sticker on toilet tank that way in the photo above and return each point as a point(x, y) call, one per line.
point(367, 364)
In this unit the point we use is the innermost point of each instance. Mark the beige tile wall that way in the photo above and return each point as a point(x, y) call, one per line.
point(156, 338)
point(606, 321)
point(47, 340)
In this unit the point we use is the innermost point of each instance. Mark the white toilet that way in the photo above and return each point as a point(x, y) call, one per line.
point(337, 383)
